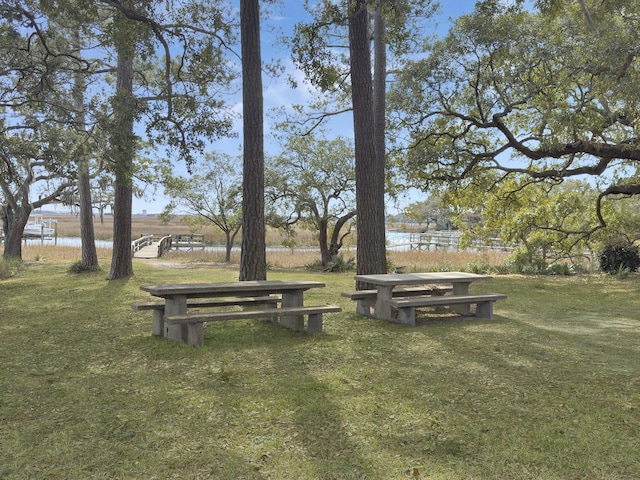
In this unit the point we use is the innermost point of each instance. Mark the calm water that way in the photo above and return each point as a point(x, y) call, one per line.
point(66, 242)
point(398, 241)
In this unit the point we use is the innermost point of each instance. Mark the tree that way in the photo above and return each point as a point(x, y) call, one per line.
point(35, 134)
point(371, 248)
point(537, 219)
point(210, 195)
point(550, 95)
point(433, 209)
point(89, 261)
point(313, 183)
point(315, 50)
point(180, 110)
point(123, 146)
point(253, 256)
point(27, 158)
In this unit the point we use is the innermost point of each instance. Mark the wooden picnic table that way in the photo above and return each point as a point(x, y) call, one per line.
point(386, 305)
point(176, 299)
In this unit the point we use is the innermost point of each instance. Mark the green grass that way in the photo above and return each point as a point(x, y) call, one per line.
point(550, 389)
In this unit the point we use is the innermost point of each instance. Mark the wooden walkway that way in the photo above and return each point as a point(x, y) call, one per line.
point(152, 246)
point(150, 251)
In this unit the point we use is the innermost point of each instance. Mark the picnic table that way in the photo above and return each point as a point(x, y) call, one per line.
point(173, 320)
point(397, 304)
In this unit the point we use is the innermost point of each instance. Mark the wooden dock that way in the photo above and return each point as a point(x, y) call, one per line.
point(148, 251)
point(153, 246)
point(194, 241)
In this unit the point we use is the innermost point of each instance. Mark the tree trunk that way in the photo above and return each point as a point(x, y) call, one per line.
point(336, 237)
point(323, 240)
point(123, 151)
point(87, 235)
point(14, 222)
point(228, 245)
point(89, 260)
point(253, 257)
point(379, 88)
point(371, 250)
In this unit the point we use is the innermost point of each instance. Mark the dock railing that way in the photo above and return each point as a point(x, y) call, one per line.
point(164, 244)
point(140, 243)
point(188, 242)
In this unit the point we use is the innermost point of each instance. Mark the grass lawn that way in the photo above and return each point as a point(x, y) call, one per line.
point(549, 389)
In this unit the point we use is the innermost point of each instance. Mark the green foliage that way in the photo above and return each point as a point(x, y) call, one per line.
point(504, 95)
point(547, 222)
point(337, 265)
point(479, 267)
point(559, 269)
point(312, 184)
point(433, 209)
point(210, 194)
point(528, 261)
point(315, 266)
point(290, 243)
point(616, 258)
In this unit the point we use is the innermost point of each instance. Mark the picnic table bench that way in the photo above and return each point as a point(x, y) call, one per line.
point(366, 299)
point(158, 326)
point(405, 308)
point(174, 321)
point(397, 303)
point(195, 321)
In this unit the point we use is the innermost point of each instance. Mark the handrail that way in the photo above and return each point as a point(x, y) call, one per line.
point(164, 244)
point(141, 242)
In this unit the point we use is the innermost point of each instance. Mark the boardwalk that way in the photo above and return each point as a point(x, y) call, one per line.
point(150, 251)
point(152, 246)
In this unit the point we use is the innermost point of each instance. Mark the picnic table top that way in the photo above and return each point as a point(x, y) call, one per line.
point(258, 286)
point(390, 279)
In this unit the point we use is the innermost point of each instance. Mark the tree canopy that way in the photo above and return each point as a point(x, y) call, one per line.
point(549, 94)
point(148, 70)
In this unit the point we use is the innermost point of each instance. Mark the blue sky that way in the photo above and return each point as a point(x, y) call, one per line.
point(278, 93)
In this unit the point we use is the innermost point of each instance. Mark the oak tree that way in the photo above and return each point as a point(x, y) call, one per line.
point(312, 183)
point(546, 95)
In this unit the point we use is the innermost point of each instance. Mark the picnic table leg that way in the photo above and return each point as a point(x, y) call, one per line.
point(176, 305)
point(406, 316)
point(315, 323)
point(484, 310)
point(365, 306)
point(195, 334)
point(158, 322)
point(294, 298)
point(383, 309)
point(461, 288)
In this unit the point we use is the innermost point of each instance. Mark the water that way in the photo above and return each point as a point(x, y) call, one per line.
point(66, 242)
point(396, 241)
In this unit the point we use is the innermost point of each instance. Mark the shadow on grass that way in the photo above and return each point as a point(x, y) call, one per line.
point(323, 438)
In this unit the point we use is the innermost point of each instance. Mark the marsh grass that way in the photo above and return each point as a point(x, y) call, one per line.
point(548, 390)
point(409, 261)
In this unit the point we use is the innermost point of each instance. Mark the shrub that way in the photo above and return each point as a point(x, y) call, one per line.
point(315, 266)
point(560, 269)
point(339, 264)
point(479, 267)
point(617, 258)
